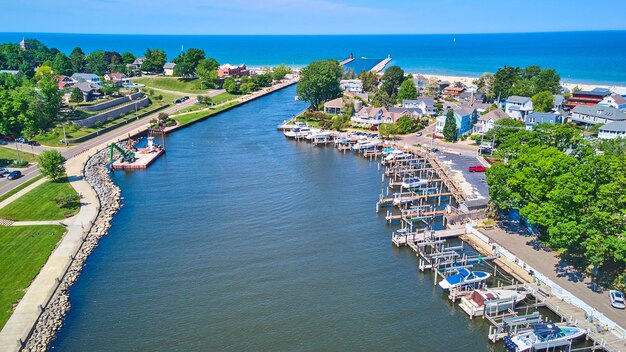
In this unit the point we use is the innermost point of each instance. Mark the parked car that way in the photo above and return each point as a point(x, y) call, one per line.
point(13, 175)
point(3, 171)
point(477, 168)
point(185, 98)
point(9, 138)
point(418, 134)
point(35, 143)
point(435, 150)
point(617, 299)
point(3, 142)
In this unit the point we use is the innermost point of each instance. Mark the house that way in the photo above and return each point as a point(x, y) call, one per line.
point(472, 97)
point(614, 100)
point(168, 68)
point(64, 81)
point(587, 97)
point(397, 113)
point(86, 78)
point(334, 106)
point(90, 91)
point(351, 85)
point(613, 130)
point(443, 85)
point(228, 70)
point(419, 82)
point(487, 121)
point(426, 105)
point(593, 115)
point(518, 107)
point(535, 118)
point(559, 102)
point(372, 116)
point(462, 117)
point(119, 79)
point(135, 67)
point(452, 91)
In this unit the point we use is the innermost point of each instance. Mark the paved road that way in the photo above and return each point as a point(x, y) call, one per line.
point(460, 147)
point(70, 152)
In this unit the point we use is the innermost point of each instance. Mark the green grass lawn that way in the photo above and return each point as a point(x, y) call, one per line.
point(174, 84)
point(7, 155)
point(20, 187)
point(23, 252)
point(187, 118)
point(222, 97)
point(39, 203)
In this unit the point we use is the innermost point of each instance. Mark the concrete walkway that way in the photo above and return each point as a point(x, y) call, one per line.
point(40, 291)
point(26, 189)
point(519, 242)
point(35, 223)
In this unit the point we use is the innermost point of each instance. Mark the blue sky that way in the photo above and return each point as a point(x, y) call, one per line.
point(310, 17)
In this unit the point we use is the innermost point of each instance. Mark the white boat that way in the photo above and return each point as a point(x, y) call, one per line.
point(463, 278)
point(366, 144)
point(490, 301)
point(542, 337)
point(413, 182)
point(302, 132)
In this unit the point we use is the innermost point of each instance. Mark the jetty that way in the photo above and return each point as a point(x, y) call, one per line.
point(381, 65)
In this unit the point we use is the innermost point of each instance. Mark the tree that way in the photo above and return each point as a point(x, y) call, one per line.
point(369, 80)
point(381, 99)
point(576, 89)
point(407, 91)
point(51, 164)
point(96, 63)
point(543, 101)
point(449, 129)
point(188, 61)
point(279, 72)
point(432, 87)
point(503, 81)
point(349, 74)
point(62, 65)
point(485, 85)
point(262, 80)
point(77, 95)
point(548, 80)
point(154, 59)
point(41, 71)
point(319, 82)
point(77, 57)
point(128, 58)
point(386, 130)
point(392, 78)
point(207, 71)
point(183, 69)
point(231, 86)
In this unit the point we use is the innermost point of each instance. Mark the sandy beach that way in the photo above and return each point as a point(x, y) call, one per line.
point(469, 80)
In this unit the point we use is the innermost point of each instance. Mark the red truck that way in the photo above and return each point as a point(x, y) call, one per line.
point(477, 168)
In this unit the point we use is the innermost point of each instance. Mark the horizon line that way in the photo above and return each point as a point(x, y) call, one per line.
point(325, 34)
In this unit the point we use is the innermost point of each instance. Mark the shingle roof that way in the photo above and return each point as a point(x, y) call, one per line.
point(619, 100)
point(83, 76)
point(496, 114)
point(517, 99)
point(615, 126)
point(335, 103)
point(169, 65)
point(606, 112)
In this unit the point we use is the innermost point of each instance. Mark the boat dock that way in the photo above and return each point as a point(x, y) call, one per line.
point(381, 65)
point(142, 161)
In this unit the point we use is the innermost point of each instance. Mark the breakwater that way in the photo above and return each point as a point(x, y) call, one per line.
point(51, 319)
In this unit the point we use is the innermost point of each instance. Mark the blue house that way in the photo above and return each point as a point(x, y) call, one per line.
point(462, 116)
point(536, 118)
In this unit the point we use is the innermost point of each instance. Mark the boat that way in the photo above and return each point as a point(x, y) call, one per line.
point(366, 144)
point(291, 133)
point(463, 278)
point(543, 336)
point(388, 151)
point(413, 182)
point(489, 301)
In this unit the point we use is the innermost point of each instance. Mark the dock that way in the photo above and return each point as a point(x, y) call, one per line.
point(381, 65)
point(346, 61)
point(142, 161)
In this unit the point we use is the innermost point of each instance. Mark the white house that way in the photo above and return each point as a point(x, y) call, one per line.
point(351, 85)
point(593, 115)
point(168, 69)
point(372, 116)
point(86, 78)
point(426, 105)
point(613, 130)
point(614, 100)
point(518, 107)
point(487, 121)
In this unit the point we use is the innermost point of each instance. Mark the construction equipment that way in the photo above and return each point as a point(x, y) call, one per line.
point(127, 155)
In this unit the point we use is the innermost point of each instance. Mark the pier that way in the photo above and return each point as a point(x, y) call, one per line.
point(381, 65)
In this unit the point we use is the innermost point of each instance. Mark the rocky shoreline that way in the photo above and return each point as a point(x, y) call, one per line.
point(51, 320)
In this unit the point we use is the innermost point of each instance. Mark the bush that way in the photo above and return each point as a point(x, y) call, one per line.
point(110, 119)
point(98, 124)
point(476, 137)
point(20, 163)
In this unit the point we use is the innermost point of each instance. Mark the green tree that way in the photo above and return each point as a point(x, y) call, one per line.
point(154, 59)
point(128, 58)
point(503, 81)
point(77, 57)
point(96, 63)
point(432, 87)
point(50, 164)
point(279, 72)
point(207, 72)
point(386, 130)
point(547, 80)
point(349, 74)
point(62, 65)
point(231, 86)
point(407, 91)
point(77, 95)
point(543, 101)
point(380, 99)
point(450, 129)
point(262, 80)
point(369, 80)
point(183, 69)
point(319, 82)
point(392, 79)
point(485, 85)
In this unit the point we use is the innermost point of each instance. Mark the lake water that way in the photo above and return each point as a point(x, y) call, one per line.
point(240, 239)
point(584, 57)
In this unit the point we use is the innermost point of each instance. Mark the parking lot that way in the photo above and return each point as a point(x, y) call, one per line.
point(474, 184)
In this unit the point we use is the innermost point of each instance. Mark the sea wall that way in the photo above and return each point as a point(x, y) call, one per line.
point(113, 113)
point(51, 319)
point(113, 102)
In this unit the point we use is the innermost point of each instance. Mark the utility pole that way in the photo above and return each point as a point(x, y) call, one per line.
point(64, 135)
point(17, 148)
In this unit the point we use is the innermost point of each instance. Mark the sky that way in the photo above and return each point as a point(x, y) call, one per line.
point(310, 17)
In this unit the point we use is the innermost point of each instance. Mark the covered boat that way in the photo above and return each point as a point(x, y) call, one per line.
point(463, 278)
point(543, 336)
point(413, 182)
point(490, 301)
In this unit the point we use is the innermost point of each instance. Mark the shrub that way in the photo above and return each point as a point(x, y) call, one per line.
point(98, 124)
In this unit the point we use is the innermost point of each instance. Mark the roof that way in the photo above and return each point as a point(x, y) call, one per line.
point(514, 108)
point(516, 99)
point(83, 76)
point(405, 111)
point(598, 92)
point(139, 60)
point(619, 100)
point(454, 89)
point(558, 99)
point(606, 112)
point(87, 87)
point(496, 114)
point(335, 103)
point(427, 101)
point(543, 115)
point(169, 66)
point(615, 126)
point(116, 75)
point(371, 112)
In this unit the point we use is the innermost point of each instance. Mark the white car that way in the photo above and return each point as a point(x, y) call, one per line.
point(617, 299)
